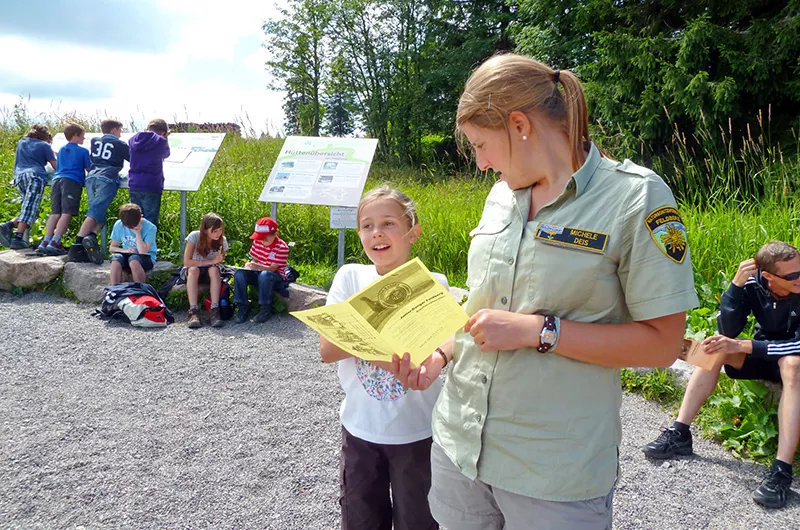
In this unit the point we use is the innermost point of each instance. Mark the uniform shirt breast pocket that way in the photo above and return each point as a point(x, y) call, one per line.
point(484, 238)
point(565, 278)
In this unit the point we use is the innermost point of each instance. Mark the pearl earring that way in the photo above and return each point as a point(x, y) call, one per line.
point(524, 137)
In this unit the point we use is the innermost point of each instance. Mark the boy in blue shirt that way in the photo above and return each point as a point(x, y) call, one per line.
point(133, 245)
point(66, 190)
point(149, 149)
point(108, 155)
point(30, 176)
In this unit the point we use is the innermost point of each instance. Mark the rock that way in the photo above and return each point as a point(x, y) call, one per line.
point(459, 294)
point(25, 268)
point(87, 280)
point(305, 297)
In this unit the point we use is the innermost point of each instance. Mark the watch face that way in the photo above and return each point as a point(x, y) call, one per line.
point(548, 337)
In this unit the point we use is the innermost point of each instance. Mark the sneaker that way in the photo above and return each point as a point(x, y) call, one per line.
point(773, 491)
point(668, 444)
point(93, 249)
point(39, 247)
point(54, 249)
point(213, 316)
point(18, 244)
point(263, 315)
point(194, 318)
point(242, 312)
point(282, 289)
point(77, 254)
point(6, 234)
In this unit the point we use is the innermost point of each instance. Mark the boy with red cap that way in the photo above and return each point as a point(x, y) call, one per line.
point(267, 270)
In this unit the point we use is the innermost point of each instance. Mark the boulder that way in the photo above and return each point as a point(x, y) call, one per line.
point(305, 297)
point(87, 280)
point(25, 268)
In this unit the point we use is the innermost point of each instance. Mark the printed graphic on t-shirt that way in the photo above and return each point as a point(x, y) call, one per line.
point(128, 241)
point(378, 383)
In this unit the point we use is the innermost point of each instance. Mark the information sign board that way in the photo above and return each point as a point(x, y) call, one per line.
point(322, 171)
point(344, 217)
point(190, 157)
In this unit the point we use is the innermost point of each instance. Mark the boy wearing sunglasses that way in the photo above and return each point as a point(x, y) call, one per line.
point(767, 286)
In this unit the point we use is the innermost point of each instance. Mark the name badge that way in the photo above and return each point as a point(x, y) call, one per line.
point(566, 236)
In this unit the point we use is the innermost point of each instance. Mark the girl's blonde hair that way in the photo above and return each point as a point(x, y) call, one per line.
point(385, 192)
point(507, 83)
point(211, 221)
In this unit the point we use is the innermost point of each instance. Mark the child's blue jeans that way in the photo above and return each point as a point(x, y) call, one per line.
point(265, 280)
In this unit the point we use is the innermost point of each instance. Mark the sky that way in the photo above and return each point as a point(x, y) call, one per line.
point(180, 60)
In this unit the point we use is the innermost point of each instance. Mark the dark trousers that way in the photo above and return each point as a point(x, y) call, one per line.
point(366, 472)
point(265, 280)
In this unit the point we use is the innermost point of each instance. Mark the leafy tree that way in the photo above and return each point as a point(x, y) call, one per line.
point(339, 100)
point(650, 66)
point(297, 61)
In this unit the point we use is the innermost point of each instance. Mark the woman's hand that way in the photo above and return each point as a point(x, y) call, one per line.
point(421, 377)
point(500, 330)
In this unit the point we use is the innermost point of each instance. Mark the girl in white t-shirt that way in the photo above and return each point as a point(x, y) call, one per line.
point(205, 249)
point(386, 429)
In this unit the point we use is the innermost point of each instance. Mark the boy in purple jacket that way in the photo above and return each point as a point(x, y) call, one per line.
point(146, 175)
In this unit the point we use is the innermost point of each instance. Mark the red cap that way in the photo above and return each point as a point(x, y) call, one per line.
point(264, 227)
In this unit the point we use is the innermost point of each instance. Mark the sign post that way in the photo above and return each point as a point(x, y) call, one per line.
point(322, 171)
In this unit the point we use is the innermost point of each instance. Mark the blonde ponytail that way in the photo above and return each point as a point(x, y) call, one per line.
point(507, 83)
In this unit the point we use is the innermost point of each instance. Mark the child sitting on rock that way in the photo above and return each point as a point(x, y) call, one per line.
point(205, 250)
point(267, 270)
point(133, 245)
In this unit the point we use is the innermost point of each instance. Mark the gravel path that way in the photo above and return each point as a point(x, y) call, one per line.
point(238, 429)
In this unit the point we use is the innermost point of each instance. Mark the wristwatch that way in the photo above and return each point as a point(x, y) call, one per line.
point(548, 338)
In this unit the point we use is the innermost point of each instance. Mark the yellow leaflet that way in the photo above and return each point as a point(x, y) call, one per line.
point(406, 310)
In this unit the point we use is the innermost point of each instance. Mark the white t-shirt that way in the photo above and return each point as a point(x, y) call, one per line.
point(376, 407)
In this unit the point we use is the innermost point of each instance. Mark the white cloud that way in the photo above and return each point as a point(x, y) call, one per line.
point(212, 70)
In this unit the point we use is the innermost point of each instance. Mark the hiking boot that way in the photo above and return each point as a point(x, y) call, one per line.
point(194, 319)
point(263, 315)
point(668, 444)
point(93, 250)
point(6, 234)
point(773, 491)
point(18, 244)
point(213, 316)
point(77, 254)
point(242, 313)
point(54, 249)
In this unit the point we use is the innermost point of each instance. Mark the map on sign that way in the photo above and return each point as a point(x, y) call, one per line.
point(190, 157)
point(322, 171)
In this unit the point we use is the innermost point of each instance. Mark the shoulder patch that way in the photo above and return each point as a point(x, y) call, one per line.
point(668, 232)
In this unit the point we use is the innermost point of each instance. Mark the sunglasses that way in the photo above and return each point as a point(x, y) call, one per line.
point(792, 276)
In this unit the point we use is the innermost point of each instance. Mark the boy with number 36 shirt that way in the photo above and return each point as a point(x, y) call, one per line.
point(108, 154)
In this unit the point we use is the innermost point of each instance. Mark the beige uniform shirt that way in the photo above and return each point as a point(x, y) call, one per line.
point(610, 249)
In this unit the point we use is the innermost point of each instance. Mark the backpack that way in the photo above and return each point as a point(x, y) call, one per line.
point(136, 303)
point(225, 304)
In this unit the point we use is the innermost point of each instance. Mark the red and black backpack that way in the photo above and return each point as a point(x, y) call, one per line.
point(137, 303)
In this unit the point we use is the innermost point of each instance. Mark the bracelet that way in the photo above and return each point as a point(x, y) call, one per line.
point(443, 354)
